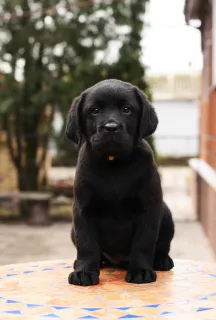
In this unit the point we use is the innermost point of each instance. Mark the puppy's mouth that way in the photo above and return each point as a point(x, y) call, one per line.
point(112, 144)
point(112, 141)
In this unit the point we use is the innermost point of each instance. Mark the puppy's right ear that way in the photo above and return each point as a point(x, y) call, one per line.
point(148, 117)
point(73, 126)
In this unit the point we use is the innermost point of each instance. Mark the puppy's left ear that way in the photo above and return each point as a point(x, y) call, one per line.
point(73, 127)
point(148, 117)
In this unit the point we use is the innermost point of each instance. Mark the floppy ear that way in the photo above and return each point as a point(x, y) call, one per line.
point(148, 117)
point(73, 126)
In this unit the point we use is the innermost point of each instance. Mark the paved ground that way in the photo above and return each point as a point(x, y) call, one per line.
point(22, 244)
point(176, 189)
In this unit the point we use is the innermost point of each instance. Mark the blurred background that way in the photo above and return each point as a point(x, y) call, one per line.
point(50, 51)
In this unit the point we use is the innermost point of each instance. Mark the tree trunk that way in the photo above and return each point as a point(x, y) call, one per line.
point(36, 212)
point(22, 187)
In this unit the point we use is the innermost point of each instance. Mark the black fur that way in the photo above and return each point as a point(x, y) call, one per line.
point(119, 217)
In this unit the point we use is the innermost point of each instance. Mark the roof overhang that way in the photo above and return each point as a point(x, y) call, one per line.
point(193, 9)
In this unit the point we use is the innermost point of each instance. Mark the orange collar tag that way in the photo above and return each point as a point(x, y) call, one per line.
point(111, 158)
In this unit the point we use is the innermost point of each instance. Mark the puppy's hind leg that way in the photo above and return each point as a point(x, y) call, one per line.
point(162, 260)
point(104, 262)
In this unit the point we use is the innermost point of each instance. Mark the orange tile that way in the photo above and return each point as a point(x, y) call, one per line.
point(183, 293)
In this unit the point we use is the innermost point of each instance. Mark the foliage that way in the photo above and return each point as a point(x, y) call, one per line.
point(49, 53)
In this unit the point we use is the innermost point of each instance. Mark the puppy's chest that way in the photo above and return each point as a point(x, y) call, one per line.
point(115, 237)
point(114, 187)
point(116, 211)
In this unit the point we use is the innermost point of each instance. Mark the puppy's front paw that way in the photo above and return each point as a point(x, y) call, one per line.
point(163, 264)
point(84, 278)
point(144, 276)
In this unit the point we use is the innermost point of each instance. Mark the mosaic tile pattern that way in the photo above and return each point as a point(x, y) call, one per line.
point(41, 291)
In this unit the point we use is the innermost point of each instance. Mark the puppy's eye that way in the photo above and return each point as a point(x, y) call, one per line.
point(95, 111)
point(127, 110)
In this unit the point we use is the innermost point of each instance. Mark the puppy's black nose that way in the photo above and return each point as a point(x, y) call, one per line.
point(111, 127)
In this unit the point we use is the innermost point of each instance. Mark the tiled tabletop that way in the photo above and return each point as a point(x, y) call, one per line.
point(41, 291)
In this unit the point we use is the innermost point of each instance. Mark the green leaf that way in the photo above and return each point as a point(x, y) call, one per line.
point(7, 106)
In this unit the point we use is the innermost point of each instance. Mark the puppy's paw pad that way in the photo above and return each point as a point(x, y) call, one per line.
point(163, 264)
point(145, 276)
point(83, 278)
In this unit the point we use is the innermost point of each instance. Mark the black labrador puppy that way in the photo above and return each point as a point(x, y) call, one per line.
point(119, 214)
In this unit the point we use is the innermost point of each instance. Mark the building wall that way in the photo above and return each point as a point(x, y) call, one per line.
point(208, 101)
point(175, 87)
point(205, 201)
point(170, 139)
point(204, 194)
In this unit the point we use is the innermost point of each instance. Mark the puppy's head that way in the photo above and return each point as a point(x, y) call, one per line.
point(111, 116)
